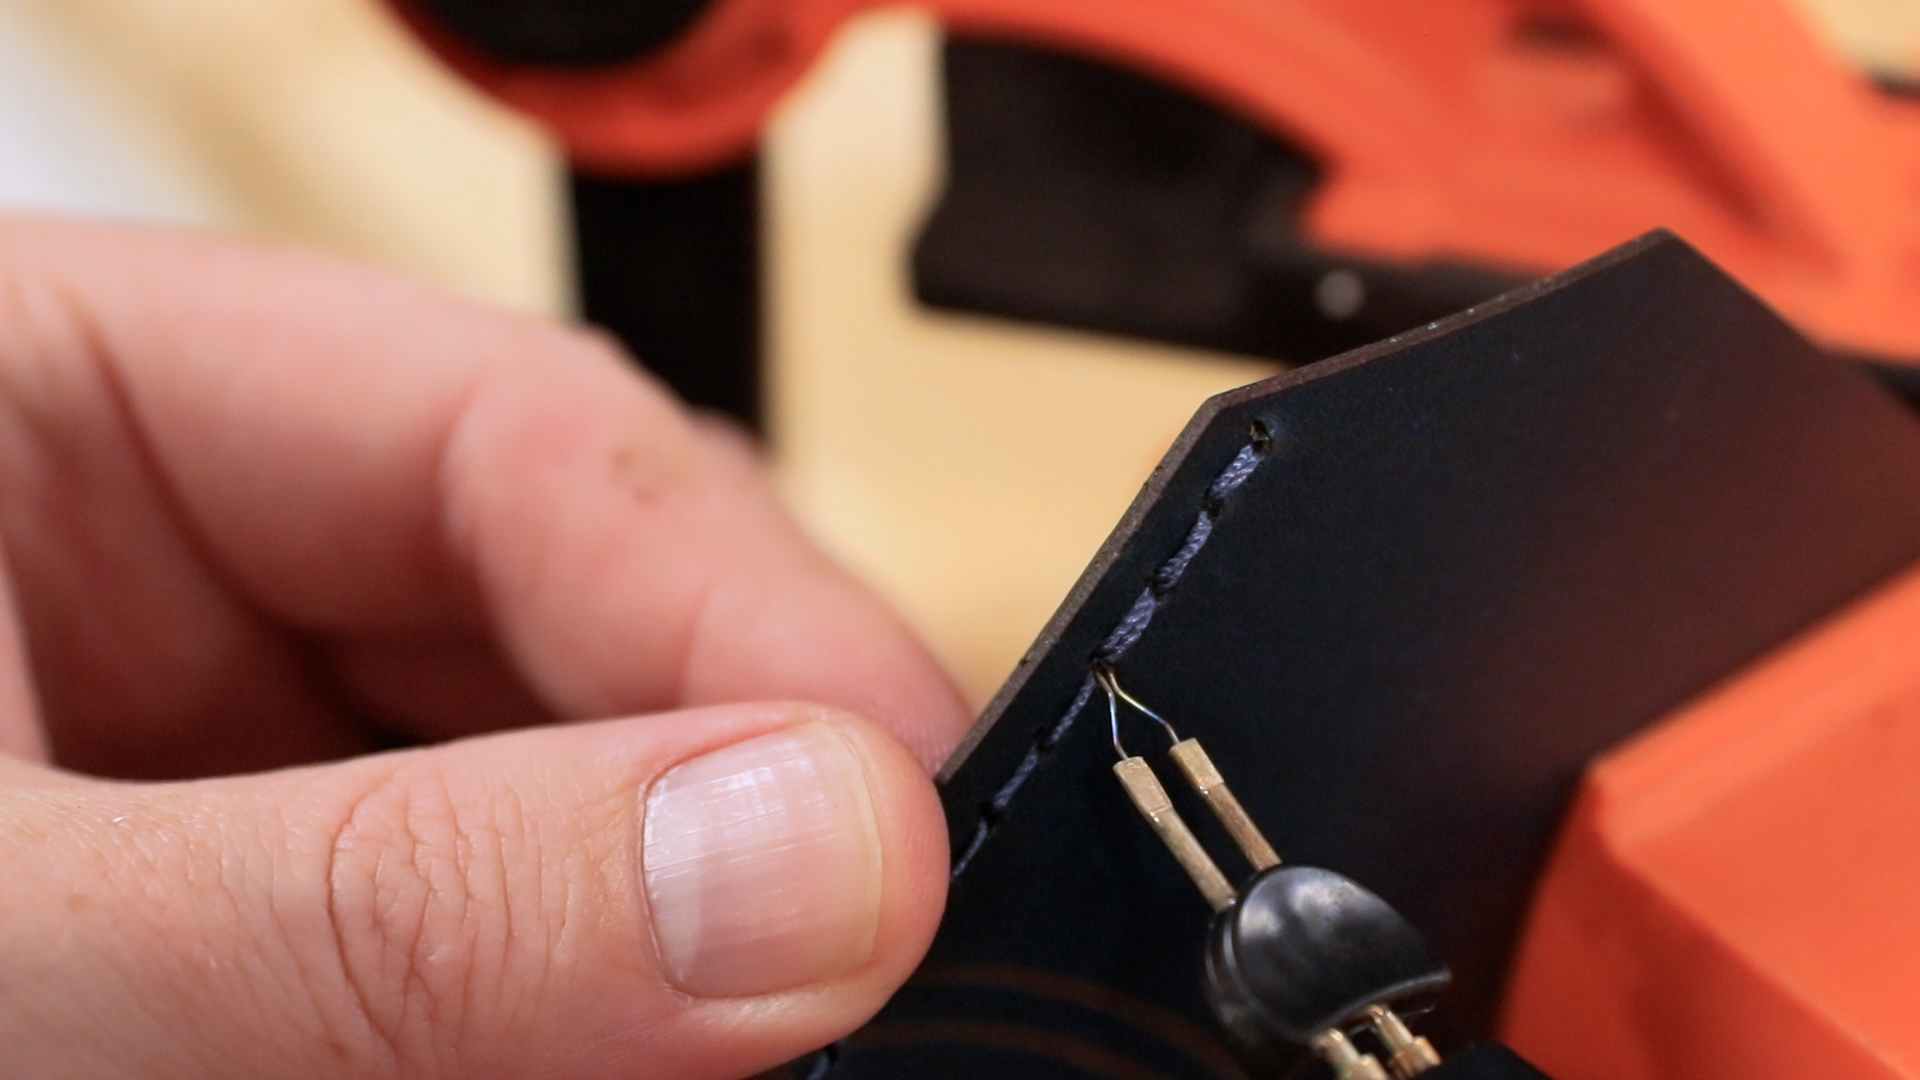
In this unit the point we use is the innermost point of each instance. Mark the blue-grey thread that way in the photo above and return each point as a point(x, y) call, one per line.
point(1122, 638)
point(997, 805)
point(824, 1060)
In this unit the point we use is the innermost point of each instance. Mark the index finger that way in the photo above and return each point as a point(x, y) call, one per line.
point(358, 455)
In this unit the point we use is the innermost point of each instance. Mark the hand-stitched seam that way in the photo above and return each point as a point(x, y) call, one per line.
point(1125, 634)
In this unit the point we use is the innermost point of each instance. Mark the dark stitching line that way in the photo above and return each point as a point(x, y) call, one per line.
point(1122, 638)
point(996, 807)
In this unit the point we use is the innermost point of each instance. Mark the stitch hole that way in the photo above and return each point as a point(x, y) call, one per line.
point(1259, 437)
point(1210, 505)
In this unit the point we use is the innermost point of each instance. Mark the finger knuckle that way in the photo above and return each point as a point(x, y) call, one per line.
point(421, 911)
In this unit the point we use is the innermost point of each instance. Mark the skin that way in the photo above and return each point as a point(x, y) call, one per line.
point(264, 515)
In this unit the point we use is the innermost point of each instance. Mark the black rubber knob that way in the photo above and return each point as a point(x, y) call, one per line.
point(566, 33)
point(1304, 950)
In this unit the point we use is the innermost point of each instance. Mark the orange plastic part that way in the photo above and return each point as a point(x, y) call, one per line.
point(1511, 132)
point(1737, 894)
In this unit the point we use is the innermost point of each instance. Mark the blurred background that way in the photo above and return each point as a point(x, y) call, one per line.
point(967, 465)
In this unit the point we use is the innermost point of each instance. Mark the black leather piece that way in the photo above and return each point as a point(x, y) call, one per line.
point(1305, 950)
point(1464, 561)
point(1487, 1062)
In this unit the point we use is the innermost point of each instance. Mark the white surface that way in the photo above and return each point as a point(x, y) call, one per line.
point(63, 149)
point(316, 122)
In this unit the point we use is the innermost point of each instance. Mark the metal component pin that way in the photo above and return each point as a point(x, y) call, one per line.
point(1113, 711)
point(1153, 803)
point(1115, 694)
point(1408, 1055)
point(1206, 779)
point(1200, 771)
point(1347, 1060)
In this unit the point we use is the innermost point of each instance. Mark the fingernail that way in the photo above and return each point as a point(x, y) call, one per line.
point(762, 864)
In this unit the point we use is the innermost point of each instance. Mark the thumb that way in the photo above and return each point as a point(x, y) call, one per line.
point(701, 894)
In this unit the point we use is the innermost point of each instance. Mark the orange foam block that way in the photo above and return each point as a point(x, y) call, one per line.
point(1737, 893)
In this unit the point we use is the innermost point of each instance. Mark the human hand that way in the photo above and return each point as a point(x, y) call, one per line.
point(260, 511)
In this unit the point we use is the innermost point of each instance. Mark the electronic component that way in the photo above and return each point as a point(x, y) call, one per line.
point(1306, 955)
point(1300, 960)
point(1299, 957)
